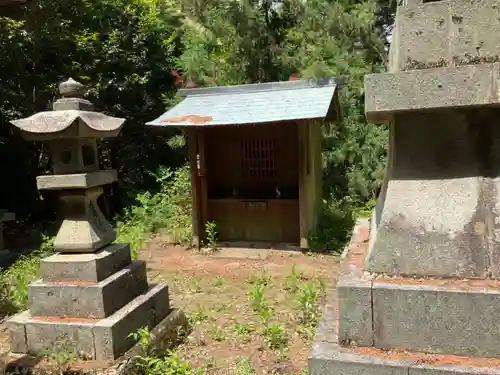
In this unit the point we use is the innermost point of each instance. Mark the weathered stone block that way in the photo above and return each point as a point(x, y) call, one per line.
point(85, 228)
point(88, 300)
point(390, 93)
point(16, 326)
point(438, 215)
point(6, 216)
point(327, 330)
point(64, 336)
point(330, 359)
point(475, 29)
point(453, 32)
point(65, 104)
point(452, 370)
point(92, 267)
point(423, 34)
point(355, 312)
point(437, 319)
point(76, 181)
point(112, 334)
point(95, 339)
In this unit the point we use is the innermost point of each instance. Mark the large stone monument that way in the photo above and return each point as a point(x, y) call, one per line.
point(424, 296)
point(91, 295)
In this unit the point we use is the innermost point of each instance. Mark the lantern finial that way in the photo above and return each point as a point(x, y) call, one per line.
point(71, 89)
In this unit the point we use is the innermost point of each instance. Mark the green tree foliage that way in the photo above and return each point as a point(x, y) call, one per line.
point(121, 50)
point(124, 52)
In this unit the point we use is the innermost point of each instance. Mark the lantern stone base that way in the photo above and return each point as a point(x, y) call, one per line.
point(378, 325)
point(93, 312)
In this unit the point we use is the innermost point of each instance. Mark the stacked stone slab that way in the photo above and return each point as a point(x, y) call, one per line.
point(91, 294)
point(4, 216)
point(424, 296)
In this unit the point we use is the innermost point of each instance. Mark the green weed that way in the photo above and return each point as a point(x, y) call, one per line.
point(15, 280)
point(291, 283)
point(149, 362)
point(198, 316)
point(61, 354)
point(223, 307)
point(308, 306)
point(195, 286)
point(262, 279)
point(211, 235)
point(169, 210)
point(243, 331)
point(258, 301)
point(244, 367)
point(275, 336)
point(217, 334)
point(219, 282)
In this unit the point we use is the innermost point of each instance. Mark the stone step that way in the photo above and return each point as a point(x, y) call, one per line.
point(331, 359)
point(440, 316)
point(88, 299)
point(92, 267)
point(329, 356)
point(104, 339)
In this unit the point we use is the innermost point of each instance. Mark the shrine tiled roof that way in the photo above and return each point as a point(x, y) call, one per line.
point(254, 104)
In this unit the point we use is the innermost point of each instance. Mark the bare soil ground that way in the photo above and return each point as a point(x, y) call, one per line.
point(216, 294)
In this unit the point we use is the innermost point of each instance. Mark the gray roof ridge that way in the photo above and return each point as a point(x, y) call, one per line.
point(262, 87)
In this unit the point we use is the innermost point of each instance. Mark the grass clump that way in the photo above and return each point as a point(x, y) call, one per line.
point(149, 361)
point(243, 331)
point(15, 280)
point(244, 367)
point(168, 209)
point(275, 336)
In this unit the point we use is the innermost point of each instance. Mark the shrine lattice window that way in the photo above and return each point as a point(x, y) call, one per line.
point(258, 158)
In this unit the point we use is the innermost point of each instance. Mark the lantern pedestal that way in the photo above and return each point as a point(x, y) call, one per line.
point(89, 303)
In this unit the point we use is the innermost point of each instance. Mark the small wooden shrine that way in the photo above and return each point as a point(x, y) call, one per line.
point(255, 156)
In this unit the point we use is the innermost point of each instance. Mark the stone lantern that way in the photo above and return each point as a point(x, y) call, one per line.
point(91, 295)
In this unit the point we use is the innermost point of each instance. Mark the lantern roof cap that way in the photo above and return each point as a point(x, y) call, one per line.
point(72, 117)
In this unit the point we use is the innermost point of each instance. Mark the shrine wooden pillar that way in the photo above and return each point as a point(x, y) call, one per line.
point(303, 172)
point(310, 166)
point(197, 220)
point(202, 175)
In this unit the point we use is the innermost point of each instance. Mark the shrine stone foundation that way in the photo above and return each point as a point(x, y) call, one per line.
point(422, 296)
point(91, 294)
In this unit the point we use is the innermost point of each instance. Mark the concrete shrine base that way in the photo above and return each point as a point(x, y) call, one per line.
point(374, 325)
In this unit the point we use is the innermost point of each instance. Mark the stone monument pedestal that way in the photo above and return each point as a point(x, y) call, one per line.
point(422, 297)
point(376, 325)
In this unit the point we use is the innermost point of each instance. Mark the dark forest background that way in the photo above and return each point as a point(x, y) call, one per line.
point(133, 55)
